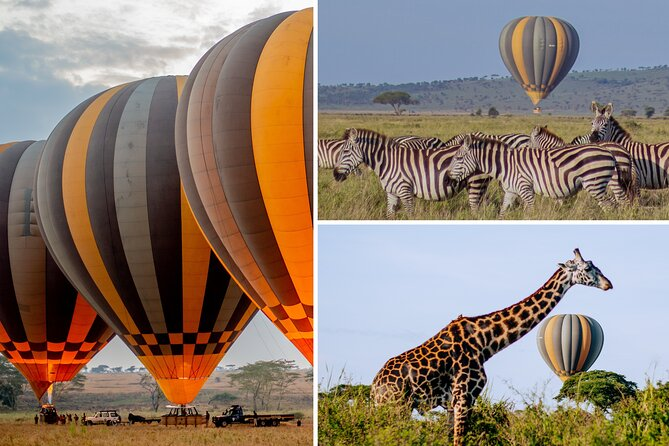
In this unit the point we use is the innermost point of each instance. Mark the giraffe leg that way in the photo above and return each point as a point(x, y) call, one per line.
point(465, 391)
point(393, 202)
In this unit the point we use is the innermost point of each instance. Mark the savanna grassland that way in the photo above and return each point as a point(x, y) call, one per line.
point(349, 418)
point(18, 429)
point(362, 198)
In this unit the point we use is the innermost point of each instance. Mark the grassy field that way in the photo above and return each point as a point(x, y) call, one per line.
point(361, 198)
point(350, 419)
point(18, 429)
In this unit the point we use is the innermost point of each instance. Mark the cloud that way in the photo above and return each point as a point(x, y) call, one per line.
point(27, 4)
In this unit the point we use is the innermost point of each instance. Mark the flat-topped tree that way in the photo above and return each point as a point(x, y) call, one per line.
point(396, 99)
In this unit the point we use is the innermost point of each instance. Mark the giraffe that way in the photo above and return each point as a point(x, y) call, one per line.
point(448, 367)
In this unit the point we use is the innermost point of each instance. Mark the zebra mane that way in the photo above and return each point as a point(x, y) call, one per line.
point(366, 134)
point(613, 121)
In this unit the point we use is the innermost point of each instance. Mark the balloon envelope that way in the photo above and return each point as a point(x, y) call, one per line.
point(112, 209)
point(245, 150)
point(570, 343)
point(538, 52)
point(47, 330)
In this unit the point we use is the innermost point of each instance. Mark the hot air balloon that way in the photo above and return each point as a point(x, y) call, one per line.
point(244, 148)
point(47, 330)
point(570, 343)
point(538, 52)
point(114, 215)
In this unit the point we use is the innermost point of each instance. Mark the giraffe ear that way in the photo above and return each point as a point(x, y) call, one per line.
point(562, 265)
point(577, 253)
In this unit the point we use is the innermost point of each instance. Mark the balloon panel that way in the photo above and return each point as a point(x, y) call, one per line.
point(112, 206)
point(243, 134)
point(47, 330)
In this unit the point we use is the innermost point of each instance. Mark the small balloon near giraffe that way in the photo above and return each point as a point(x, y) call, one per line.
point(447, 369)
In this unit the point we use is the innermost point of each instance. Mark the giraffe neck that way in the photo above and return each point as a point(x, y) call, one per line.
point(504, 327)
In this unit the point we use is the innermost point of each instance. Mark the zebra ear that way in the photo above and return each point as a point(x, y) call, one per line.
point(608, 110)
point(536, 130)
point(468, 140)
point(352, 133)
point(594, 107)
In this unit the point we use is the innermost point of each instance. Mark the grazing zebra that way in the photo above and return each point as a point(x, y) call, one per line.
point(558, 172)
point(512, 140)
point(650, 160)
point(419, 142)
point(328, 152)
point(404, 172)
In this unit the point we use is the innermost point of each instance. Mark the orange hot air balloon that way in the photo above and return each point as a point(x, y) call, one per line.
point(538, 52)
point(112, 209)
point(47, 330)
point(245, 150)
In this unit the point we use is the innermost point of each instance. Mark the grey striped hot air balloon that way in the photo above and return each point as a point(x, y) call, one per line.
point(570, 343)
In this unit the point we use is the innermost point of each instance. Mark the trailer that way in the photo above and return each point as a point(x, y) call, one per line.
point(235, 414)
point(132, 419)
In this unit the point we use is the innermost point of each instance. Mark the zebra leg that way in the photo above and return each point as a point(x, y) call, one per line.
point(527, 196)
point(477, 186)
point(597, 190)
point(393, 204)
point(507, 202)
point(407, 199)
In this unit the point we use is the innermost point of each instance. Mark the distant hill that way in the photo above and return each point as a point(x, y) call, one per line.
point(625, 88)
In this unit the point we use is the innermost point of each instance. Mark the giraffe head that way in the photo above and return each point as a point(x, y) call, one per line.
point(584, 272)
point(350, 156)
point(600, 124)
point(463, 163)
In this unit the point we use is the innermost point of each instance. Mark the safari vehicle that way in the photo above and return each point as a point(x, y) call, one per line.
point(235, 414)
point(109, 417)
point(48, 414)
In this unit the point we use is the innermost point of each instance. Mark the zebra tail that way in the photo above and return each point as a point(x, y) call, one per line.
point(627, 178)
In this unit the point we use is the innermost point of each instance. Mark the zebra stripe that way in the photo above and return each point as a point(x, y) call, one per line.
point(328, 152)
point(651, 161)
point(557, 172)
point(419, 142)
point(542, 138)
point(404, 172)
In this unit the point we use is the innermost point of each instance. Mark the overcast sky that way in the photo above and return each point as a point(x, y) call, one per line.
point(56, 53)
point(399, 41)
point(386, 289)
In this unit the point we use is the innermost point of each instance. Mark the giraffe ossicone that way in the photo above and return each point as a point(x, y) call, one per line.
point(448, 367)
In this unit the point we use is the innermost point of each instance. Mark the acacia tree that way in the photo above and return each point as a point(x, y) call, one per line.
point(396, 99)
point(262, 378)
point(63, 388)
point(600, 388)
point(153, 389)
point(12, 383)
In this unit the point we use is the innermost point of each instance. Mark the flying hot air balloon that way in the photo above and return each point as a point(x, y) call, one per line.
point(570, 343)
point(538, 52)
point(111, 207)
point(244, 148)
point(47, 330)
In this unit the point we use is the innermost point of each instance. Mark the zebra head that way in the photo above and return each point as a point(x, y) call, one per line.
point(601, 128)
point(463, 163)
point(350, 156)
point(584, 272)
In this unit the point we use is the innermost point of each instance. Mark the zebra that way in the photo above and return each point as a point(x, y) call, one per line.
point(557, 172)
point(418, 142)
point(651, 161)
point(404, 172)
point(542, 138)
point(513, 140)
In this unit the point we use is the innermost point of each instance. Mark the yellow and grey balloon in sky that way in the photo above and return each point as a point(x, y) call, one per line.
point(538, 52)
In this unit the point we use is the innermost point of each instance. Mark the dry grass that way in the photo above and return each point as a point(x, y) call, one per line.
point(361, 198)
point(19, 430)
